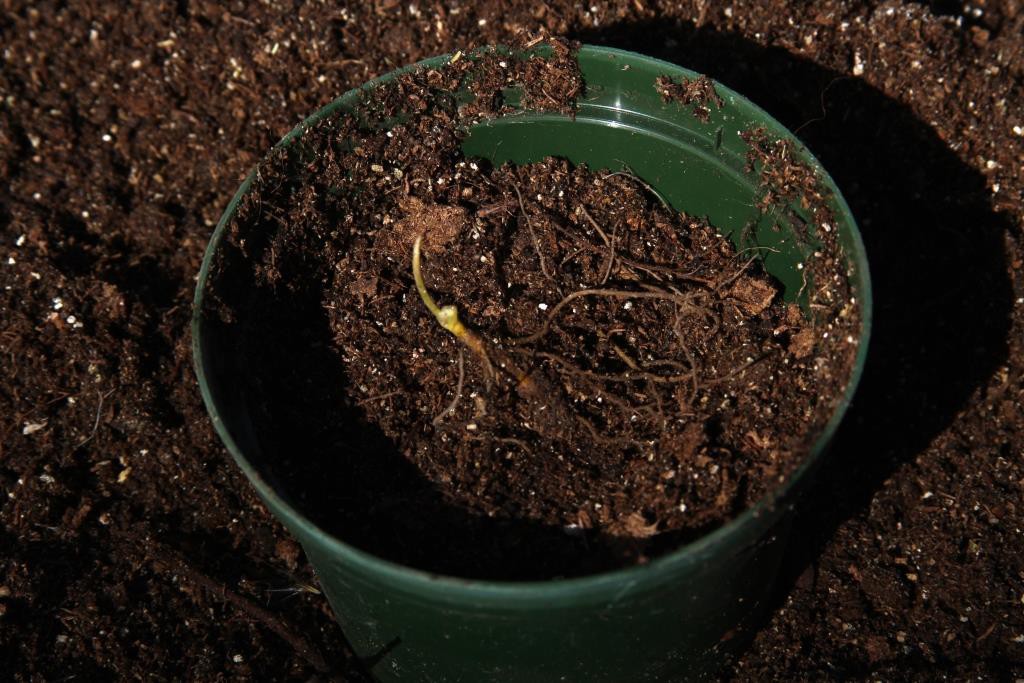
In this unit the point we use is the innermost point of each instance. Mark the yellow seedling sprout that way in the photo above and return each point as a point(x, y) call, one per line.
point(448, 316)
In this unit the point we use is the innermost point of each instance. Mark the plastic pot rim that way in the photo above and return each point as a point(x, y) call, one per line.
point(448, 588)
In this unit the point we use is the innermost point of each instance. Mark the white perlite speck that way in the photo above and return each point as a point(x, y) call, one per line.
point(32, 427)
point(858, 64)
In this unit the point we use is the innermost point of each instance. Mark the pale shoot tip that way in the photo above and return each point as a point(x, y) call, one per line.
point(447, 316)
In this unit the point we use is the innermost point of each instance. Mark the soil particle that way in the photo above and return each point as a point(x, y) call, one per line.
point(753, 295)
point(699, 92)
point(782, 177)
point(437, 224)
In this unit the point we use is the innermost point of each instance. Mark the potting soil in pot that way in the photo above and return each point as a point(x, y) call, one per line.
point(629, 380)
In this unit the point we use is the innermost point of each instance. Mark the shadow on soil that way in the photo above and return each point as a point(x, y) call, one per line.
point(942, 299)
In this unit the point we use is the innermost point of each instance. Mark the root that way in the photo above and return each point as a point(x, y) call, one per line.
point(609, 242)
point(656, 363)
point(96, 423)
point(610, 441)
point(654, 270)
point(571, 256)
point(654, 412)
point(710, 314)
point(659, 411)
point(735, 371)
point(803, 284)
point(621, 377)
point(651, 269)
point(624, 357)
point(695, 386)
point(458, 394)
point(533, 235)
point(666, 363)
point(732, 278)
point(758, 248)
point(379, 397)
point(628, 172)
point(682, 299)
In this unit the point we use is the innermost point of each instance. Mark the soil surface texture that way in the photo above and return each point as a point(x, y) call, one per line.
point(132, 547)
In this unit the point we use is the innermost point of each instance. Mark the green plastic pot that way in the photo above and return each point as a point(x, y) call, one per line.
point(675, 618)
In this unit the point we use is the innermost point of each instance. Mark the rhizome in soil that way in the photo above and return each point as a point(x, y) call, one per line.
point(629, 380)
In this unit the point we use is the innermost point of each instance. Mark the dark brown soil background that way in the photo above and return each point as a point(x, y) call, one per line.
point(132, 547)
